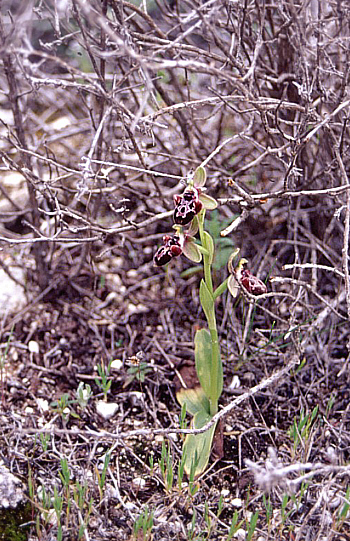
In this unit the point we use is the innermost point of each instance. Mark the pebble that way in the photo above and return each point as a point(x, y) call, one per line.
point(117, 364)
point(106, 410)
point(240, 534)
point(139, 482)
point(33, 346)
point(235, 383)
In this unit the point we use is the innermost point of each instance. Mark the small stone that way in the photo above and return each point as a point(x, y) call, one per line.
point(106, 410)
point(12, 295)
point(11, 489)
point(137, 309)
point(332, 454)
point(33, 346)
point(117, 364)
point(43, 404)
point(50, 517)
point(139, 483)
point(236, 502)
point(225, 492)
point(235, 383)
point(240, 534)
point(14, 354)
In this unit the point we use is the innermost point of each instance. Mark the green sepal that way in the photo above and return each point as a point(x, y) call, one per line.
point(191, 250)
point(199, 177)
point(197, 447)
point(194, 399)
point(209, 203)
point(207, 303)
point(233, 286)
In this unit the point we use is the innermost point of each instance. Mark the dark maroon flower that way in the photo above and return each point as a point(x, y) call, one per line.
point(187, 205)
point(252, 284)
point(171, 248)
point(243, 276)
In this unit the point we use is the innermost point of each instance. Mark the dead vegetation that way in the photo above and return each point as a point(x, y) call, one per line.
point(105, 108)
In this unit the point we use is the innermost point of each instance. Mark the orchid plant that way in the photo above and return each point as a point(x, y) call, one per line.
point(202, 401)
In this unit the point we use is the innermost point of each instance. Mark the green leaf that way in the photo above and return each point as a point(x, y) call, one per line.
point(203, 357)
point(199, 177)
point(194, 399)
point(197, 447)
point(207, 303)
point(191, 271)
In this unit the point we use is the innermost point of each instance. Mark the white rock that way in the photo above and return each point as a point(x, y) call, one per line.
point(139, 483)
point(12, 296)
point(240, 534)
point(132, 273)
point(117, 364)
point(33, 346)
point(235, 383)
point(50, 517)
point(11, 489)
point(236, 502)
point(106, 410)
point(43, 404)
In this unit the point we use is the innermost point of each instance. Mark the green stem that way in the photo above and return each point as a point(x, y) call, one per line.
point(206, 264)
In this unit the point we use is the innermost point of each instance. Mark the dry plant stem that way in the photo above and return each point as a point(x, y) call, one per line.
point(262, 103)
point(282, 194)
point(314, 266)
point(78, 240)
point(345, 250)
point(326, 120)
point(306, 285)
